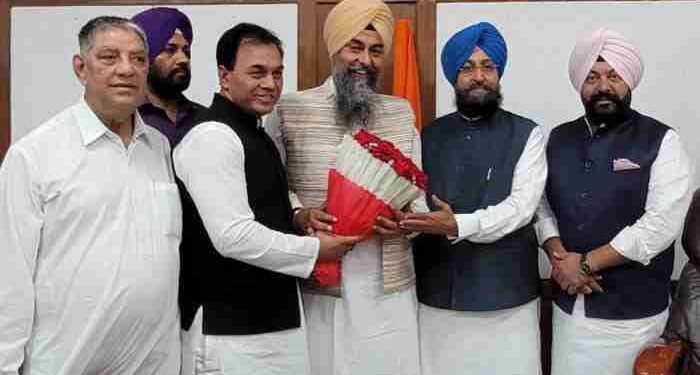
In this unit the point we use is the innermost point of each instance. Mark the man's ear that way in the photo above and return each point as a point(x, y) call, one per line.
point(222, 72)
point(79, 68)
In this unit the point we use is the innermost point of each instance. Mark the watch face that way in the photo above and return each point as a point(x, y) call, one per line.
point(585, 268)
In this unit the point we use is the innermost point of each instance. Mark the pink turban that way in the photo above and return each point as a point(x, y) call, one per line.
point(613, 48)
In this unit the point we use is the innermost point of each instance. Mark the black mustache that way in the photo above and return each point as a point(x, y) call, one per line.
point(605, 96)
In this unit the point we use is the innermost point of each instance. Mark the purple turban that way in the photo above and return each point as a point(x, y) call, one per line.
point(460, 47)
point(160, 24)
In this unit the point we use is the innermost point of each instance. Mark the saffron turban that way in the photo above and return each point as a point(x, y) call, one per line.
point(350, 17)
point(613, 48)
point(160, 24)
point(460, 47)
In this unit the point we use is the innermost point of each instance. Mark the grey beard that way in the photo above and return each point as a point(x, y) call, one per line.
point(355, 98)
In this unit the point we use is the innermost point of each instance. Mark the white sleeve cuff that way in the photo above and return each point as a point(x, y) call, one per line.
point(546, 229)
point(467, 225)
point(315, 248)
point(627, 245)
point(298, 263)
point(294, 200)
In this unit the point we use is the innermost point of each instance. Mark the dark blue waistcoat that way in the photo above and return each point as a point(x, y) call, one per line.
point(470, 165)
point(592, 203)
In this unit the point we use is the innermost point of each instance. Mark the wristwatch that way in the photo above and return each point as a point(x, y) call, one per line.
point(584, 267)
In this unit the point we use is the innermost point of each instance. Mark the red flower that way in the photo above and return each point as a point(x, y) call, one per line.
point(365, 138)
point(420, 179)
point(403, 168)
point(388, 153)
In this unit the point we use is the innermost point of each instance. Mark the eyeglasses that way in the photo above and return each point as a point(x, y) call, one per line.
point(488, 69)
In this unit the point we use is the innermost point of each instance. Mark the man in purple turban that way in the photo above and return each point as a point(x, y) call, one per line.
point(169, 34)
point(476, 263)
point(617, 191)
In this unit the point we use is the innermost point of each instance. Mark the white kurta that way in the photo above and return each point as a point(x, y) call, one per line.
point(583, 345)
point(366, 332)
point(275, 353)
point(667, 201)
point(484, 342)
point(491, 342)
point(90, 231)
point(210, 161)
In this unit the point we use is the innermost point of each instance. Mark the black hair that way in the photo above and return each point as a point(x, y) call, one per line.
point(231, 40)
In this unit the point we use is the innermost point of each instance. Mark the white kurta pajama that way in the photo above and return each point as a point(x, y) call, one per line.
point(582, 345)
point(492, 342)
point(210, 162)
point(90, 231)
point(366, 331)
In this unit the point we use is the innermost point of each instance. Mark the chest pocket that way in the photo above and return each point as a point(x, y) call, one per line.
point(166, 203)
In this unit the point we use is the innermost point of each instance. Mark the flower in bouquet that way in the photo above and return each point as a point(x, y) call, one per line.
point(371, 178)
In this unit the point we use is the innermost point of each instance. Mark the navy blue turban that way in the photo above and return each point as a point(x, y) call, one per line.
point(461, 46)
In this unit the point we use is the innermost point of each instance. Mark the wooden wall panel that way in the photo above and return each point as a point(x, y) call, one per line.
point(425, 29)
point(400, 10)
point(314, 64)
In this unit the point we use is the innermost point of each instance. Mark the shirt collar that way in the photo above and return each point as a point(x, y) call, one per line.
point(329, 87)
point(184, 105)
point(221, 105)
point(92, 128)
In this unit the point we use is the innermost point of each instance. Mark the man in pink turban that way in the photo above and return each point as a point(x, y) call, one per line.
point(616, 194)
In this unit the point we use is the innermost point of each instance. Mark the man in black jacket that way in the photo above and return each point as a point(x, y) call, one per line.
point(240, 259)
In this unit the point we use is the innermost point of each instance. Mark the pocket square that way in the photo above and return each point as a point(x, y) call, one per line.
point(624, 164)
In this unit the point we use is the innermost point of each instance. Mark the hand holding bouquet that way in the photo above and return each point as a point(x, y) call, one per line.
point(370, 178)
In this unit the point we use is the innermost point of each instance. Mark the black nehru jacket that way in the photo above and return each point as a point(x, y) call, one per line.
point(238, 298)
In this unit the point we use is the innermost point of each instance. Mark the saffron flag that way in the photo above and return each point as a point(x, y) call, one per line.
point(406, 82)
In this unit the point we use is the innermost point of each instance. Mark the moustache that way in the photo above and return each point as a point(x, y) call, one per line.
point(180, 70)
point(606, 96)
point(360, 68)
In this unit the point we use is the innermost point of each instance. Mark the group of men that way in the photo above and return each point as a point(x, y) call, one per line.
point(119, 260)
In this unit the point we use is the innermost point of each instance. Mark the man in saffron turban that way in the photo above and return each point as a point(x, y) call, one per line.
point(617, 191)
point(367, 325)
point(476, 263)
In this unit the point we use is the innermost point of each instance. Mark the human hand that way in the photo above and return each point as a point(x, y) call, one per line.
point(308, 220)
point(566, 271)
point(388, 228)
point(441, 222)
point(332, 247)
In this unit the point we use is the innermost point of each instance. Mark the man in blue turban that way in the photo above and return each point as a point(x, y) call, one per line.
point(169, 34)
point(476, 261)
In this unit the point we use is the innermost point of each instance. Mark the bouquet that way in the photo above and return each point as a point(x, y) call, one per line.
point(370, 178)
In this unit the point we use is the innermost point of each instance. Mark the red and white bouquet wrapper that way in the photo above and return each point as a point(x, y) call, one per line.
point(370, 178)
